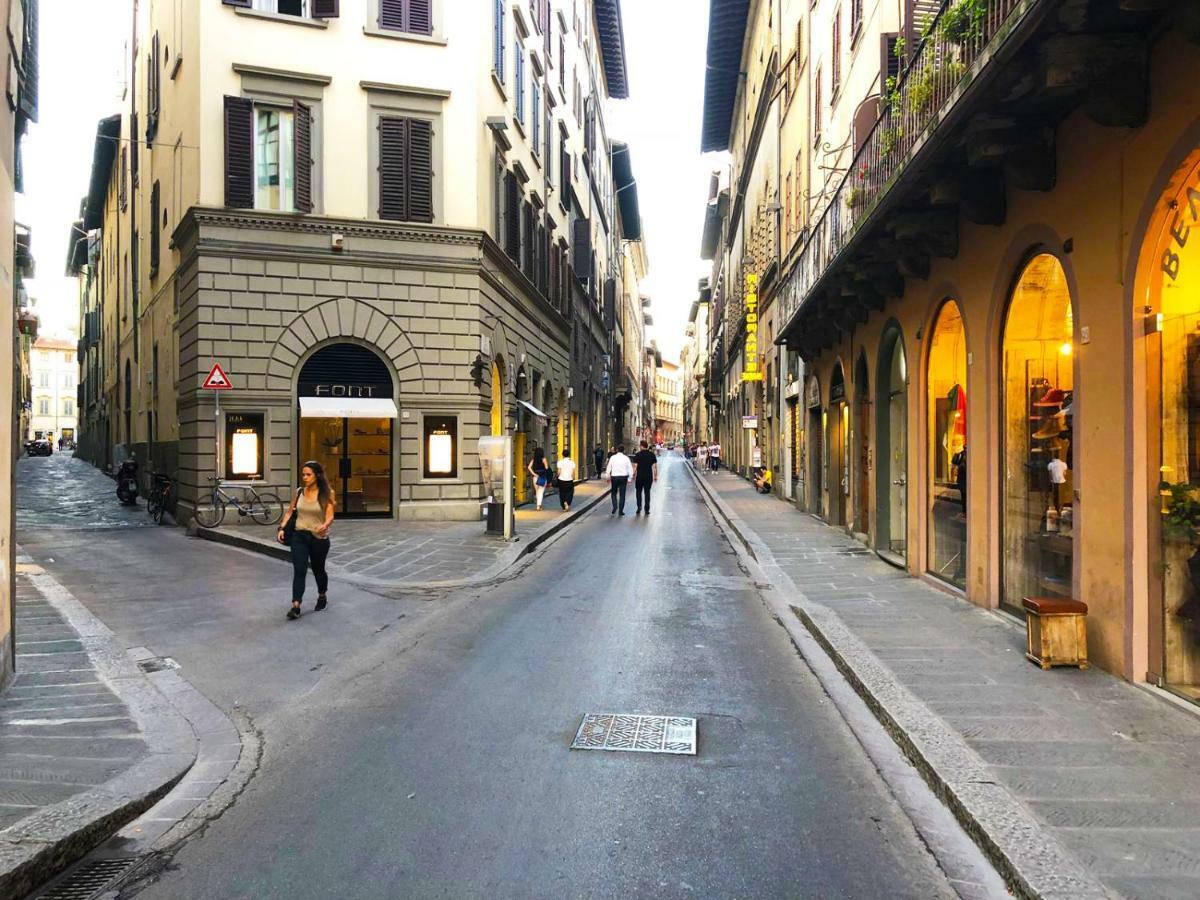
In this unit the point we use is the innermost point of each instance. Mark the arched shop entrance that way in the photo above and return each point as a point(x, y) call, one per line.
point(946, 424)
point(891, 443)
point(1168, 311)
point(862, 435)
point(346, 413)
point(839, 449)
point(1037, 430)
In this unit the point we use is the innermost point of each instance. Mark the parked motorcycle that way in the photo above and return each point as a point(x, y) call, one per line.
point(127, 482)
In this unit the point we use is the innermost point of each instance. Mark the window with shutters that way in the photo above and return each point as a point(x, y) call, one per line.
point(797, 208)
point(535, 91)
point(153, 89)
point(307, 9)
point(519, 77)
point(498, 11)
point(405, 169)
point(787, 212)
point(816, 110)
point(412, 16)
point(562, 64)
point(548, 148)
point(155, 227)
point(799, 57)
point(268, 155)
point(528, 240)
point(512, 217)
point(123, 185)
point(835, 62)
point(856, 16)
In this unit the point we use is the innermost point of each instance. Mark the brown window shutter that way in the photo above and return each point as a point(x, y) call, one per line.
point(420, 17)
point(512, 217)
point(326, 9)
point(393, 183)
point(244, 4)
point(391, 14)
point(582, 249)
point(420, 170)
point(239, 153)
point(302, 151)
point(155, 227)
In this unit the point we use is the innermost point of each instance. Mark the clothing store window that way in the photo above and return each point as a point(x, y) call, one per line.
point(947, 469)
point(1036, 485)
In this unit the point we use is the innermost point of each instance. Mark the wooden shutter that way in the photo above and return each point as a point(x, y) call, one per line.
point(393, 183)
point(512, 217)
point(420, 17)
point(498, 39)
point(326, 9)
point(155, 226)
point(239, 153)
point(420, 170)
point(391, 14)
point(244, 4)
point(581, 249)
point(528, 240)
point(302, 161)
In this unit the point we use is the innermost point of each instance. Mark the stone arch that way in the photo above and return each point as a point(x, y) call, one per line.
point(344, 319)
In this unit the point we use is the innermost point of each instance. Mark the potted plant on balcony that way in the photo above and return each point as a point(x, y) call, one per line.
point(962, 21)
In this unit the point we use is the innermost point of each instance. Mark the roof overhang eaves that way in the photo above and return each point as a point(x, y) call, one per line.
point(727, 21)
point(612, 47)
point(108, 134)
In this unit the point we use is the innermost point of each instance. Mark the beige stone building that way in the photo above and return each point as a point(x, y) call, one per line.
point(668, 403)
point(983, 310)
point(392, 224)
point(20, 18)
point(54, 371)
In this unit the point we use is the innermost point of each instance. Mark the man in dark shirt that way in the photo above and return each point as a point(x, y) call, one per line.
point(645, 473)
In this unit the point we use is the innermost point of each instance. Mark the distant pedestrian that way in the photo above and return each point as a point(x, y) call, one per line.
point(714, 456)
point(618, 473)
point(645, 473)
point(541, 475)
point(598, 458)
point(566, 479)
point(702, 458)
point(312, 505)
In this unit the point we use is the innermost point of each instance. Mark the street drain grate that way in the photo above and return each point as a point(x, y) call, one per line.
point(89, 880)
point(157, 664)
point(639, 734)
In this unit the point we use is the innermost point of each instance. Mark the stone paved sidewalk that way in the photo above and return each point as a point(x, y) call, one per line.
point(61, 491)
point(86, 742)
point(1106, 769)
point(406, 554)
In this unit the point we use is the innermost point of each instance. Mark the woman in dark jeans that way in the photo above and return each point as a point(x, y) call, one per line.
point(312, 506)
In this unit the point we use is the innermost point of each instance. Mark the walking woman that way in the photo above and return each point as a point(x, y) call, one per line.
point(312, 507)
point(541, 474)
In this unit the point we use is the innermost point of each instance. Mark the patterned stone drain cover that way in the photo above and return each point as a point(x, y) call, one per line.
point(642, 734)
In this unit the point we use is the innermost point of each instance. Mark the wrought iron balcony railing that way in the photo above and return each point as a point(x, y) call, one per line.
point(955, 45)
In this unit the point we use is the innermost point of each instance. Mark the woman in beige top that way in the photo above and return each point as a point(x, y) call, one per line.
point(312, 505)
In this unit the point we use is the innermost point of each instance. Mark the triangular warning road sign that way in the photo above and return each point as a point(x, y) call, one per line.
point(217, 380)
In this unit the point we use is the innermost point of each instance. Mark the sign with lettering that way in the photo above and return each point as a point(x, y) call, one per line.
point(751, 370)
point(245, 438)
point(1185, 215)
point(343, 390)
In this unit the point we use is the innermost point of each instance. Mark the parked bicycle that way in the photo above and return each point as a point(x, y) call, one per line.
point(266, 508)
point(161, 496)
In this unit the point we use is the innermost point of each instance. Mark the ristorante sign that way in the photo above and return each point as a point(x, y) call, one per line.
point(751, 371)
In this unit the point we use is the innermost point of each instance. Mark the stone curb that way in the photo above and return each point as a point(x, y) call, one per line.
point(1031, 861)
point(512, 555)
point(42, 844)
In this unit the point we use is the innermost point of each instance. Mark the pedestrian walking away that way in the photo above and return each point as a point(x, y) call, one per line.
point(714, 457)
point(645, 473)
point(565, 470)
point(618, 473)
point(702, 458)
point(541, 475)
point(598, 458)
point(306, 528)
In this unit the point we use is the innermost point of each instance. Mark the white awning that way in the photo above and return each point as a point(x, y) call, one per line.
point(533, 409)
point(347, 408)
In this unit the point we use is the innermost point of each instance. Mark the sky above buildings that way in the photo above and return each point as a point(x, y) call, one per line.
point(82, 80)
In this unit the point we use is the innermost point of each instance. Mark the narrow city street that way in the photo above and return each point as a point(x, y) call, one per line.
point(418, 746)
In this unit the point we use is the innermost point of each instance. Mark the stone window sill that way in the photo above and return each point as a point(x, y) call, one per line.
point(405, 36)
point(277, 17)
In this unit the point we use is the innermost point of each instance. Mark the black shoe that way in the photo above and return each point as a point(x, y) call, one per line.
point(647, 512)
point(322, 602)
point(294, 612)
point(614, 512)
point(622, 512)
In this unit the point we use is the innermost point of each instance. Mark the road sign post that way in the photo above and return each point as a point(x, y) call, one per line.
point(217, 381)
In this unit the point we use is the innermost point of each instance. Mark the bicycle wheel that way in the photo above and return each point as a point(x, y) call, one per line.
point(212, 516)
point(154, 505)
point(265, 509)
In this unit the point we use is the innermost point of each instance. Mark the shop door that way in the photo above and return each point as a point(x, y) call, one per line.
point(357, 457)
point(838, 474)
point(863, 514)
point(898, 472)
point(816, 460)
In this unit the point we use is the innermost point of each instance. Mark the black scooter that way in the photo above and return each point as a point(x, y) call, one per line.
point(127, 482)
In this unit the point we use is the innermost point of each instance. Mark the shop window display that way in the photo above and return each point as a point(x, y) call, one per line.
point(1037, 487)
point(1172, 327)
point(947, 424)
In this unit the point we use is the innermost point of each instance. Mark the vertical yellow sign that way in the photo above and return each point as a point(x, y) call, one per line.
point(751, 371)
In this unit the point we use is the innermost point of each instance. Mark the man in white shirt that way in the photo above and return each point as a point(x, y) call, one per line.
point(702, 458)
point(618, 472)
point(714, 456)
point(565, 470)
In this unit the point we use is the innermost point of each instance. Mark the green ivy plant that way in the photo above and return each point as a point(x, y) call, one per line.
point(889, 139)
point(962, 21)
point(920, 91)
point(1182, 516)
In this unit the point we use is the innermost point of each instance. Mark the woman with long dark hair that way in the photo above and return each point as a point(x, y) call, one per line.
point(312, 506)
point(541, 474)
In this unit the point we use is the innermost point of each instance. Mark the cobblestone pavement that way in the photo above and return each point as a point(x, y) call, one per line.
point(399, 552)
point(1110, 769)
point(62, 730)
point(61, 491)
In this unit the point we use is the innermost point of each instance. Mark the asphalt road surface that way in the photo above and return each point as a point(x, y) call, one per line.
point(418, 746)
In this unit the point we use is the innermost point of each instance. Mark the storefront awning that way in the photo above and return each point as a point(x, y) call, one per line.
point(533, 409)
point(347, 408)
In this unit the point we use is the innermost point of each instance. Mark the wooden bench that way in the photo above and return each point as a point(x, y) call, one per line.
point(1056, 631)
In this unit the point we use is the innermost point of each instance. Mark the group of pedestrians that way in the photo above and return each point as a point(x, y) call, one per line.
point(705, 457)
point(642, 468)
point(564, 478)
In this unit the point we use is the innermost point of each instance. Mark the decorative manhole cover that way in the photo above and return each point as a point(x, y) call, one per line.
point(642, 734)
